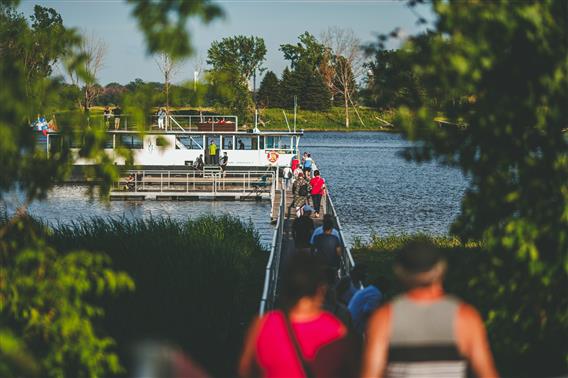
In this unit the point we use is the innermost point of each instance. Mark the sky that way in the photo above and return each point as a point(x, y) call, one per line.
point(278, 22)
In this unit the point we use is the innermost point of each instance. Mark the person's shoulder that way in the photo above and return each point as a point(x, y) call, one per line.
point(327, 319)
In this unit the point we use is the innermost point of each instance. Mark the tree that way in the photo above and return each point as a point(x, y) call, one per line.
point(169, 68)
point(309, 51)
point(235, 60)
point(240, 54)
point(47, 298)
point(509, 60)
point(93, 49)
point(393, 82)
point(344, 64)
point(269, 92)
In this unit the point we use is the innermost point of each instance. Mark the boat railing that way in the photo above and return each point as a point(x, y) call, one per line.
point(185, 181)
point(269, 290)
point(347, 262)
point(128, 122)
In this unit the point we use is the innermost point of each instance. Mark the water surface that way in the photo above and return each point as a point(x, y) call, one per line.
point(374, 190)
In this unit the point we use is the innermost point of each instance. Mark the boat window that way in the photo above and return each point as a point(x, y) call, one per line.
point(133, 142)
point(108, 143)
point(55, 143)
point(190, 142)
point(247, 143)
point(276, 143)
point(228, 142)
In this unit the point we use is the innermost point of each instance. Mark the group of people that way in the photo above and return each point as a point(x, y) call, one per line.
point(421, 332)
point(328, 326)
point(305, 186)
point(108, 114)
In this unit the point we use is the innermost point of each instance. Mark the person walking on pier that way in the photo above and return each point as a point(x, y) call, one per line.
point(318, 190)
point(300, 190)
point(308, 166)
point(301, 340)
point(328, 248)
point(425, 332)
point(302, 229)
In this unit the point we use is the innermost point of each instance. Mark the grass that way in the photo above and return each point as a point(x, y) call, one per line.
point(198, 283)
point(380, 252)
point(273, 118)
point(332, 120)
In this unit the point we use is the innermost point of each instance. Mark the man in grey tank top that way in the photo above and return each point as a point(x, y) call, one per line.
point(424, 332)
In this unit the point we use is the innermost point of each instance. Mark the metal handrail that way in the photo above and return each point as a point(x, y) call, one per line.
point(186, 180)
point(347, 262)
point(273, 266)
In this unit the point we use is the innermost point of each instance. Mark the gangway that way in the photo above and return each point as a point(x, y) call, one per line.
point(283, 245)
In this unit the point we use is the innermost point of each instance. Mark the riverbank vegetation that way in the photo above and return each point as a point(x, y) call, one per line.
point(471, 277)
point(198, 282)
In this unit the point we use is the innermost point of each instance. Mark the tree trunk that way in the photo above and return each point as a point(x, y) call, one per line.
point(345, 99)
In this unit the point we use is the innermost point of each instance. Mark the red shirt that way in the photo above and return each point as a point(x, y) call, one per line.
point(295, 163)
point(323, 342)
point(317, 184)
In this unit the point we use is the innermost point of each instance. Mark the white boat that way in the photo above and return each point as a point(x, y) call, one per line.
point(184, 138)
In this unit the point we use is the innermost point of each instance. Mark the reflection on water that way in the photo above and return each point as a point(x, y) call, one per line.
point(374, 190)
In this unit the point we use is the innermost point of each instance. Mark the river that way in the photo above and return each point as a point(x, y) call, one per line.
point(375, 192)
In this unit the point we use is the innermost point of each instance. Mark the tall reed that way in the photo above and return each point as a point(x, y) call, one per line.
point(198, 282)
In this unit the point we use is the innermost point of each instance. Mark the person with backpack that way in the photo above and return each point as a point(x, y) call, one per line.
point(301, 340)
point(287, 176)
point(300, 190)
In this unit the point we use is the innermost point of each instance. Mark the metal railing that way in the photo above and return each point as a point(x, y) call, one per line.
point(347, 262)
point(127, 122)
point(186, 181)
point(273, 266)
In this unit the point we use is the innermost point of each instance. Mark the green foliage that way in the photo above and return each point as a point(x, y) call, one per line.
point(164, 23)
point(240, 54)
point(393, 83)
point(269, 91)
point(46, 298)
point(309, 51)
point(198, 282)
point(308, 86)
point(235, 60)
point(45, 301)
point(509, 60)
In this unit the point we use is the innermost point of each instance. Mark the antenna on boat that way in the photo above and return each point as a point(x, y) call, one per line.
point(286, 119)
point(295, 110)
point(255, 118)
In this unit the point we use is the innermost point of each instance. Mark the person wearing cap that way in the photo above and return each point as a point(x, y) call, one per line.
point(425, 332)
point(302, 229)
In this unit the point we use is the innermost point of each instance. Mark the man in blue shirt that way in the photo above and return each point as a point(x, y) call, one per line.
point(365, 301)
point(327, 219)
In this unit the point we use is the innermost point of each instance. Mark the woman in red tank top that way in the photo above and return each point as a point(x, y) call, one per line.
point(322, 346)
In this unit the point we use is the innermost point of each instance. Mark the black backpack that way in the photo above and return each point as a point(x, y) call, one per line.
point(303, 191)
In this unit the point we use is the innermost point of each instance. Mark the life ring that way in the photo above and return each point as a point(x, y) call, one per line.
point(272, 156)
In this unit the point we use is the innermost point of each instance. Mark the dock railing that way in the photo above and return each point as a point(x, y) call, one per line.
point(347, 262)
point(268, 298)
point(186, 181)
